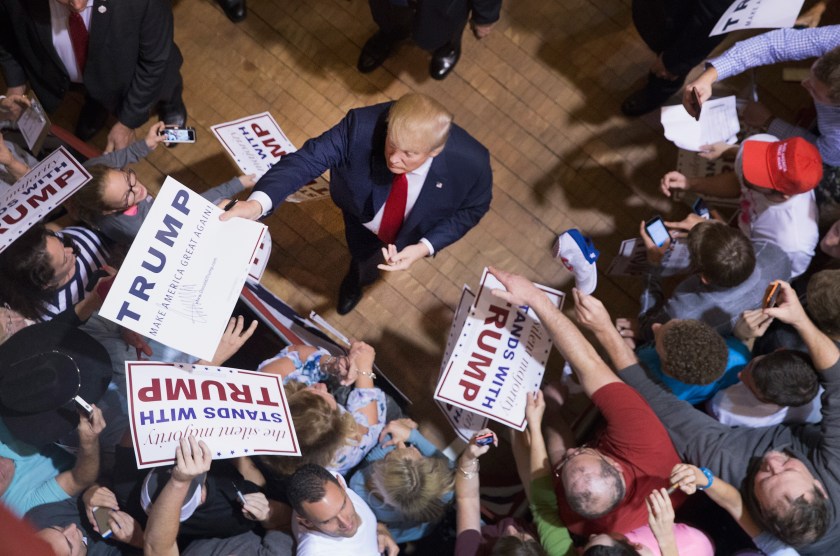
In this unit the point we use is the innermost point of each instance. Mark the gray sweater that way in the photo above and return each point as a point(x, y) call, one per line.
point(729, 451)
point(122, 228)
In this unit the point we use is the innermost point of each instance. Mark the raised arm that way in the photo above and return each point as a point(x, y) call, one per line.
point(86, 470)
point(822, 349)
point(592, 314)
point(592, 371)
point(192, 459)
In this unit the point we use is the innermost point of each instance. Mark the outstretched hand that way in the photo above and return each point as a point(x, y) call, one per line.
point(249, 210)
point(591, 313)
point(518, 289)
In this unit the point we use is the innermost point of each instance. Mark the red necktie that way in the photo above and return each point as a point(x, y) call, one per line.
point(392, 216)
point(79, 39)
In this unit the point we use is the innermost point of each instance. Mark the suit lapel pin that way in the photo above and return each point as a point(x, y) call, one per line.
point(102, 9)
point(439, 185)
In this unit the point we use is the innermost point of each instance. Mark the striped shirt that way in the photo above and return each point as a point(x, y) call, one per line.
point(785, 45)
point(92, 255)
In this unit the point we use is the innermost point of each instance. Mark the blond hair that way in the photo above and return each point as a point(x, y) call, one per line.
point(414, 487)
point(418, 122)
point(321, 430)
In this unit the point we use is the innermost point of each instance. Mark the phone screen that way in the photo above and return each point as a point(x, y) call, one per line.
point(700, 208)
point(179, 134)
point(657, 231)
point(101, 517)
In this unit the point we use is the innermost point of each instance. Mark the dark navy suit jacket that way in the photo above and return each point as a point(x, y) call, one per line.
point(132, 60)
point(455, 195)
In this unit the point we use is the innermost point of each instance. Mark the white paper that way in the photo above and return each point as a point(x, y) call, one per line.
point(499, 357)
point(718, 122)
point(40, 190)
point(183, 273)
point(758, 14)
point(236, 413)
point(34, 125)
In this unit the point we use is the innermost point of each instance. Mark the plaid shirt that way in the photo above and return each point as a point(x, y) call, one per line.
point(784, 45)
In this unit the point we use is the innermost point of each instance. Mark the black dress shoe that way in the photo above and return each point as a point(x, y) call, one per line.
point(375, 51)
point(652, 96)
point(349, 294)
point(444, 60)
point(173, 113)
point(235, 10)
point(91, 119)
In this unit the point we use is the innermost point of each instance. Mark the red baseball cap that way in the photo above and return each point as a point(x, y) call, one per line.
point(790, 167)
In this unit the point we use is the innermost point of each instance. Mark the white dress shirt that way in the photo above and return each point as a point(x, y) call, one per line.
point(59, 14)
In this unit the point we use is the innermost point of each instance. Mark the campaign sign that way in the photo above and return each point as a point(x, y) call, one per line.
point(758, 14)
point(464, 423)
point(43, 188)
point(237, 413)
point(256, 143)
point(183, 273)
point(499, 357)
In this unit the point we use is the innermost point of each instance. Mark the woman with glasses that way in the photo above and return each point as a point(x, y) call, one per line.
point(43, 272)
point(116, 203)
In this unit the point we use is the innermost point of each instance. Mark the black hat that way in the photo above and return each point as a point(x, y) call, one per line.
point(43, 367)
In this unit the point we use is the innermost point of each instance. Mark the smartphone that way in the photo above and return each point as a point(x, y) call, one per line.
point(771, 294)
point(699, 207)
point(695, 103)
point(101, 516)
point(484, 439)
point(657, 231)
point(83, 407)
point(179, 134)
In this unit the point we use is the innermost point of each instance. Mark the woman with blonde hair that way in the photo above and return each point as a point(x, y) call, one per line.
point(406, 481)
point(332, 435)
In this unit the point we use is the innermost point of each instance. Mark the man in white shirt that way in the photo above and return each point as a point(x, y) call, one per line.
point(331, 519)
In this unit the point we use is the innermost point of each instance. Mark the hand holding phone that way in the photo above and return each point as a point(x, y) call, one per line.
point(771, 295)
point(83, 407)
point(656, 230)
point(695, 103)
point(102, 515)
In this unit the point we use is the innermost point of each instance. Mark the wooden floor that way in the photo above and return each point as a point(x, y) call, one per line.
point(542, 93)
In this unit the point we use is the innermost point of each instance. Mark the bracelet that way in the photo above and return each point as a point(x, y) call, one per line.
point(371, 374)
point(470, 474)
point(708, 473)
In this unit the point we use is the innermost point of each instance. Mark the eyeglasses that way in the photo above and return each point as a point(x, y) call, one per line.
point(130, 195)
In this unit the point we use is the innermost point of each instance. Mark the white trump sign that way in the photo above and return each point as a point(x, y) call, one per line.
point(184, 272)
point(237, 413)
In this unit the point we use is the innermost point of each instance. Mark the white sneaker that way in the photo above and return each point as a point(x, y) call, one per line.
point(578, 254)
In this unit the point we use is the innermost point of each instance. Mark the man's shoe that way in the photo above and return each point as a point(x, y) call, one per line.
point(444, 60)
point(235, 10)
point(91, 119)
point(173, 113)
point(349, 294)
point(652, 96)
point(375, 51)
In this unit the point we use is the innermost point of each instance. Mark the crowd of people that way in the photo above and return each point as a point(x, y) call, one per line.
point(723, 383)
